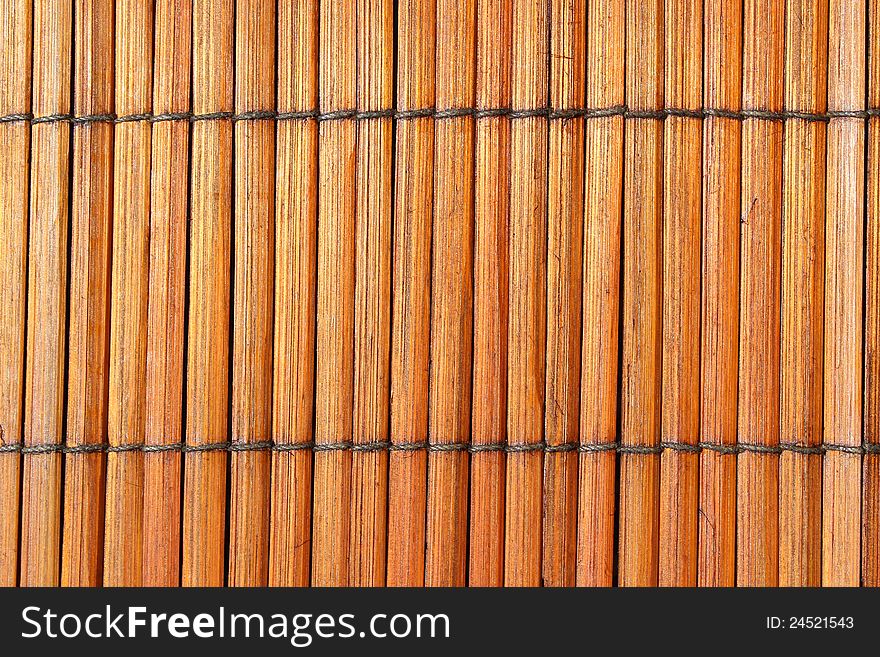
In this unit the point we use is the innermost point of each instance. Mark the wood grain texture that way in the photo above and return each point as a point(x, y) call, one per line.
point(411, 305)
point(528, 296)
point(208, 347)
point(369, 492)
point(123, 532)
point(803, 278)
point(15, 143)
point(166, 320)
point(452, 297)
point(719, 363)
point(603, 194)
point(565, 241)
point(88, 354)
point(844, 272)
point(254, 268)
point(295, 295)
point(337, 149)
point(680, 418)
point(642, 267)
point(760, 266)
point(41, 502)
point(491, 285)
point(871, 464)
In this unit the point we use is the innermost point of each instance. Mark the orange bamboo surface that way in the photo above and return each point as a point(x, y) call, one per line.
point(440, 292)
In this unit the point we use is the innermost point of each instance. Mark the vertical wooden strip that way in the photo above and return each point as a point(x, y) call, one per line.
point(335, 333)
point(757, 542)
point(641, 258)
point(296, 178)
point(528, 290)
point(680, 423)
point(844, 249)
point(369, 473)
point(803, 277)
point(411, 263)
point(452, 300)
point(123, 542)
point(603, 193)
point(207, 384)
point(565, 228)
point(721, 289)
point(15, 98)
point(47, 297)
point(169, 205)
point(254, 231)
point(491, 216)
point(87, 373)
point(871, 468)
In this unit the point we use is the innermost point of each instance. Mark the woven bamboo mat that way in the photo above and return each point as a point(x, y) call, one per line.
point(440, 292)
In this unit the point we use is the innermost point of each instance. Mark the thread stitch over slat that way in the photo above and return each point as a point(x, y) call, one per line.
point(449, 113)
point(588, 448)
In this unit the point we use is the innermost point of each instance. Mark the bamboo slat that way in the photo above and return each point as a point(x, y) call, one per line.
point(565, 230)
point(680, 416)
point(372, 327)
point(337, 150)
point(410, 333)
point(603, 194)
point(87, 365)
point(760, 270)
point(295, 290)
point(844, 271)
point(48, 225)
point(208, 341)
point(167, 305)
point(720, 293)
point(254, 267)
point(528, 296)
point(641, 271)
point(491, 292)
point(871, 467)
point(15, 144)
point(803, 278)
point(451, 297)
point(123, 542)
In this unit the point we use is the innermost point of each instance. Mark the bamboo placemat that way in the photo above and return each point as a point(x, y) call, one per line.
point(439, 292)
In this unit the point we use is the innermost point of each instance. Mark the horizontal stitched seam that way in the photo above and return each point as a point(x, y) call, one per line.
point(473, 448)
point(449, 113)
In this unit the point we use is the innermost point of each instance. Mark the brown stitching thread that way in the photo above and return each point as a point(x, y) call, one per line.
point(682, 447)
point(489, 113)
point(448, 113)
point(423, 113)
point(639, 449)
point(409, 446)
point(472, 448)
